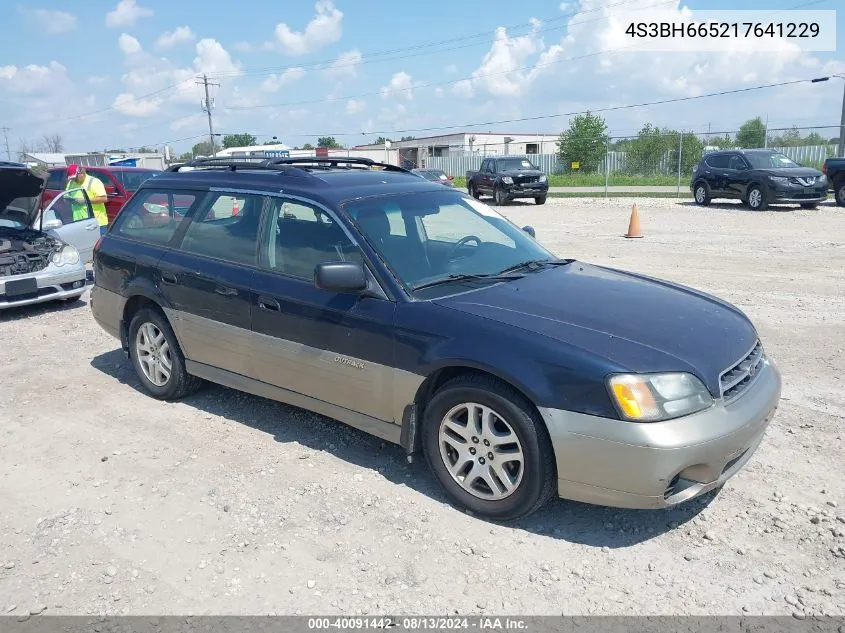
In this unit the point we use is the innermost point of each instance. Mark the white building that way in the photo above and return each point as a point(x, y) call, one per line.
point(276, 150)
point(414, 152)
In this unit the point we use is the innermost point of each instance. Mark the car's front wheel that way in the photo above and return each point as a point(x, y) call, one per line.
point(839, 193)
point(540, 200)
point(157, 358)
point(757, 198)
point(500, 197)
point(809, 205)
point(489, 448)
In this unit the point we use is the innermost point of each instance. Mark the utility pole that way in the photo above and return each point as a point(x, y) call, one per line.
point(207, 106)
point(841, 148)
point(6, 131)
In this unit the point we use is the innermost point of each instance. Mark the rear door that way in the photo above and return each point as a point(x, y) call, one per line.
point(83, 232)
point(208, 280)
point(716, 174)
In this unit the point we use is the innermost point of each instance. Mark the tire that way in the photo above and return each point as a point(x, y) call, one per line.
point(701, 194)
point(540, 200)
point(839, 193)
point(473, 191)
point(809, 205)
point(756, 198)
point(179, 383)
point(530, 488)
point(499, 196)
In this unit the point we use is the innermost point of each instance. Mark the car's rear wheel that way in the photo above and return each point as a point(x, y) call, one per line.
point(757, 198)
point(702, 194)
point(473, 191)
point(839, 193)
point(489, 448)
point(809, 205)
point(540, 200)
point(157, 358)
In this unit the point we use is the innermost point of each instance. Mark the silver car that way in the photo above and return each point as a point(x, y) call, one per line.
point(42, 254)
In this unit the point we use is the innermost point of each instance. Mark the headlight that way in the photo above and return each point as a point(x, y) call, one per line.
point(68, 255)
point(657, 397)
point(543, 178)
point(507, 180)
point(822, 179)
point(780, 180)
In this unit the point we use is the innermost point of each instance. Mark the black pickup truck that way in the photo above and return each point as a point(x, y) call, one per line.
point(508, 178)
point(834, 169)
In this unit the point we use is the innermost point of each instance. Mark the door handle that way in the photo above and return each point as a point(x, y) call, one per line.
point(225, 291)
point(91, 227)
point(168, 278)
point(269, 303)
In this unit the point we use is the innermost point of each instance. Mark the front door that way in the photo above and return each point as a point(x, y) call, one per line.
point(332, 347)
point(70, 218)
point(208, 281)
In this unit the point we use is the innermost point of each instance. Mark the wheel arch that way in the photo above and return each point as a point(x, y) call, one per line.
point(138, 297)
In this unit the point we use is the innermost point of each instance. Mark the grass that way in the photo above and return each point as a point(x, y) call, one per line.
point(597, 180)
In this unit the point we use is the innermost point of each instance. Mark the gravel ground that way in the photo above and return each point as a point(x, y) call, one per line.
point(114, 503)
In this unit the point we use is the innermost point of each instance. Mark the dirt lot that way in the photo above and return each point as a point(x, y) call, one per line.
point(115, 503)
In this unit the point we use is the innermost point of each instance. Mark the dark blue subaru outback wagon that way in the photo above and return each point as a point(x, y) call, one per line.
point(418, 314)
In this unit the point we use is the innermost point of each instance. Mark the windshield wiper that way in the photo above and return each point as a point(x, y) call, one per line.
point(465, 277)
point(534, 264)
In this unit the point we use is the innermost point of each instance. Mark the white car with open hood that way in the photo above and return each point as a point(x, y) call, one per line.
point(42, 255)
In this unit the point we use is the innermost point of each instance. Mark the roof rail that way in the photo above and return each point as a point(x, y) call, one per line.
point(334, 161)
point(233, 163)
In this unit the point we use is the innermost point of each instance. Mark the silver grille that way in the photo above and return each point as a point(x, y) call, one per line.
point(737, 378)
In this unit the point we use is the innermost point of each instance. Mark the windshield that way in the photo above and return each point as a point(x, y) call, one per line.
point(514, 164)
point(772, 160)
point(18, 212)
point(131, 180)
point(433, 174)
point(427, 236)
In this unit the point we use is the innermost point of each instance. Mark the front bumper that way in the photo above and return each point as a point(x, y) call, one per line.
point(527, 190)
point(797, 195)
point(52, 283)
point(658, 465)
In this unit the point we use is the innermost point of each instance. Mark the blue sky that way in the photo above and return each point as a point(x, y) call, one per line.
point(105, 74)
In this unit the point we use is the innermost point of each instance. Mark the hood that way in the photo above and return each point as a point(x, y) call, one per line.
point(634, 322)
point(18, 182)
point(793, 172)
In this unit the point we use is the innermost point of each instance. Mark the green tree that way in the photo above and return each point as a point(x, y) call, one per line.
point(689, 145)
point(307, 146)
point(408, 138)
point(585, 142)
point(381, 139)
point(328, 141)
point(647, 153)
point(202, 148)
point(722, 142)
point(238, 140)
point(751, 134)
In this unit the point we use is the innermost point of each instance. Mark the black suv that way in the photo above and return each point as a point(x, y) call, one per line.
point(414, 312)
point(758, 177)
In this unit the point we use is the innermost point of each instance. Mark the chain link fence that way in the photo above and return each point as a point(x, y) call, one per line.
point(652, 161)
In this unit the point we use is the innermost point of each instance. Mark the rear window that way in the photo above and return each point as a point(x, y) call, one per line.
point(131, 180)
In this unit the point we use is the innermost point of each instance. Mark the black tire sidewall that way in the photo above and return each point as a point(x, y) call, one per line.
point(839, 194)
point(540, 200)
point(146, 315)
point(698, 186)
point(530, 488)
point(762, 204)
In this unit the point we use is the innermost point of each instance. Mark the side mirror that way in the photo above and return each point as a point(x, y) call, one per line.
point(111, 191)
point(51, 224)
point(342, 277)
point(530, 230)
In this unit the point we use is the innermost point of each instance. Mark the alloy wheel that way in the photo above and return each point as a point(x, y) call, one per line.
point(755, 197)
point(481, 451)
point(153, 352)
point(700, 194)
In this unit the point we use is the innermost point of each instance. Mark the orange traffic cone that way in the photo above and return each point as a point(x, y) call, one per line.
point(634, 224)
point(235, 208)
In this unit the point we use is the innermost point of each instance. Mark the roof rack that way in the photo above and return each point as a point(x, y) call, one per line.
point(233, 163)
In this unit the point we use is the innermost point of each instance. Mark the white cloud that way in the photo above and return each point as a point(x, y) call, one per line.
point(31, 79)
point(127, 104)
point(400, 87)
point(180, 35)
point(128, 44)
point(345, 66)
point(126, 13)
point(51, 21)
point(323, 29)
point(274, 82)
point(354, 107)
point(96, 80)
point(451, 69)
point(463, 89)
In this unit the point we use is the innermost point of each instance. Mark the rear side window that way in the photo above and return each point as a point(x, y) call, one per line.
point(154, 215)
point(57, 179)
point(103, 176)
point(226, 227)
point(718, 161)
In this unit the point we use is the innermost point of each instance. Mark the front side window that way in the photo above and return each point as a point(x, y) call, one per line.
point(226, 227)
point(448, 234)
point(153, 215)
point(302, 235)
